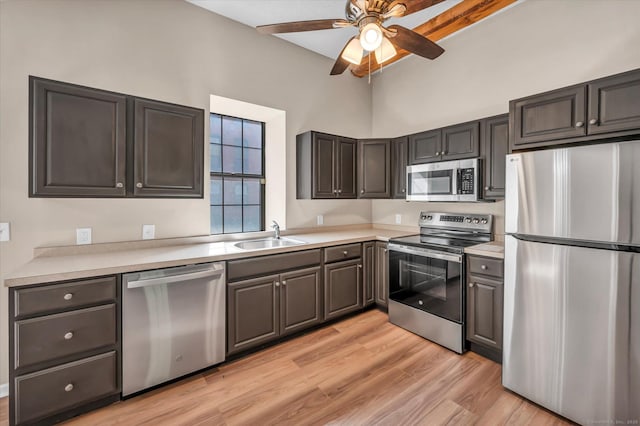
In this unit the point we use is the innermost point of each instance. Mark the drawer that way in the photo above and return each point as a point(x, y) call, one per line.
point(54, 336)
point(63, 296)
point(486, 266)
point(56, 389)
point(344, 252)
point(266, 265)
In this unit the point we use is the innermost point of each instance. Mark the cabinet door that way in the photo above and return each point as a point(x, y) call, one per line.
point(77, 141)
point(382, 274)
point(495, 146)
point(614, 104)
point(374, 168)
point(252, 309)
point(484, 311)
point(168, 150)
point(323, 178)
point(549, 116)
point(346, 168)
point(342, 288)
point(425, 147)
point(300, 300)
point(461, 141)
point(369, 272)
point(399, 160)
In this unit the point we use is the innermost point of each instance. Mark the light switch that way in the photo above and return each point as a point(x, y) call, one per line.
point(148, 232)
point(5, 232)
point(83, 236)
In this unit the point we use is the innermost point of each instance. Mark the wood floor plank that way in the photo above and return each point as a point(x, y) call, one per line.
point(360, 371)
point(4, 411)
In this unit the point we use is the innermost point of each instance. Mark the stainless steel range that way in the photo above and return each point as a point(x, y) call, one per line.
point(427, 274)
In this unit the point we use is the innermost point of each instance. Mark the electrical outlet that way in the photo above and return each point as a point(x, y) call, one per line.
point(83, 236)
point(398, 219)
point(5, 232)
point(320, 219)
point(148, 232)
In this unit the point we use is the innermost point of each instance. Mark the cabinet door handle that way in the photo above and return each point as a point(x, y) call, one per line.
point(483, 267)
point(284, 283)
point(486, 188)
point(68, 296)
point(277, 284)
point(593, 121)
point(386, 250)
point(68, 336)
point(444, 152)
point(360, 266)
point(403, 190)
point(471, 284)
point(139, 185)
point(579, 124)
point(437, 153)
point(119, 185)
point(339, 191)
point(68, 388)
point(362, 191)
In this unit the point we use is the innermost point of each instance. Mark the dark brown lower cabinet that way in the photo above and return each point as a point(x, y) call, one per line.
point(382, 274)
point(368, 272)
point(485, 294)
point(64, 349)
point(342, 288)
point(300, 300)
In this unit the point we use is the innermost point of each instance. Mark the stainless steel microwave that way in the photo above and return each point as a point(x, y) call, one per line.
point(445, 181)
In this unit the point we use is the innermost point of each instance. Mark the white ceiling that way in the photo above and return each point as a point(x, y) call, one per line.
point(325, 42)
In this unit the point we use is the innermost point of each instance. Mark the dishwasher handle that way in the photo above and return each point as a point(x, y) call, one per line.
point(212, 273)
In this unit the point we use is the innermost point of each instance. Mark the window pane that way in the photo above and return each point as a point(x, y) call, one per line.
point(216, 191)
point(251, 218)
point(252, 191)
point(252, 161)
point(216, 219)
point(231, 131)
point(233, 191)
point(215, 157)
point(232, 219)
point(215, 128)
point(231, 159)
point(252, 134)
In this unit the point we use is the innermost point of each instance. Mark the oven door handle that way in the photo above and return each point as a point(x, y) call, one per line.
point(425, 253)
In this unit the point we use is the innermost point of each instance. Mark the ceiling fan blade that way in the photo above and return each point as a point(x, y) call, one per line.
point(413, 5)
point(294, 27)
point(414, 42)
point(341, 64)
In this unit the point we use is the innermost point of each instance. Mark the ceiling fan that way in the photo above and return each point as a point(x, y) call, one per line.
point(368, 16)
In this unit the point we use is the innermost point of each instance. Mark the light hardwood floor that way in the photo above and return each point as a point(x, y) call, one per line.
point(361, 371)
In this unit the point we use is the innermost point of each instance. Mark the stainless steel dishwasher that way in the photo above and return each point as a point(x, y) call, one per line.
point(173, 323)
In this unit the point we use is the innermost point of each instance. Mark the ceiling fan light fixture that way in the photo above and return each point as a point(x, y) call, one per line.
point(371, 36)
point(385, 52)
point(353, 52)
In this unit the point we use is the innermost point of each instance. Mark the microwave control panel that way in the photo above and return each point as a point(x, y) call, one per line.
point(466, 181)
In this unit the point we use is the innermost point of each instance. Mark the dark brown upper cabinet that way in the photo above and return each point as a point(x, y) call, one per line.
point(399, 160)
point(495, 146)
point(425, 147)
point(325, 166)
point(449, 143)
point(461, 141)
point(168, 150)
point(607, 107)
point(374, 168)
point(77, 141)
point(86, 142)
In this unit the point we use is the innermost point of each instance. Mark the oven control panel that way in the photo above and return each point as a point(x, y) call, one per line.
point(480, 222)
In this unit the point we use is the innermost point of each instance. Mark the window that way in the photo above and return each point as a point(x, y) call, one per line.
point(237, 174)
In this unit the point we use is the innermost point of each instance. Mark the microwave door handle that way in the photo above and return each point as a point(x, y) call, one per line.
point(454, 181)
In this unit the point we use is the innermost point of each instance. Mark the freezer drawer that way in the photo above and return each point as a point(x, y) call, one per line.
point(572, 329)
point(589, 193)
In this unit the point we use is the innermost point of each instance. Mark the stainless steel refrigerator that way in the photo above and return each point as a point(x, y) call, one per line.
point(572, 281)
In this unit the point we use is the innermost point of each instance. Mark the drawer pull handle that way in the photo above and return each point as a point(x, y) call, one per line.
point(68, 336)
point(579, 124)
point(119, 185)
point(483, 267)
point(139, 185)
point(68, 296)
point(68, 388)
point(345, 252)
point(593, 121)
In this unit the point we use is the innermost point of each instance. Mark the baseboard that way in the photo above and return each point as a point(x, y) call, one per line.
point(4, 390)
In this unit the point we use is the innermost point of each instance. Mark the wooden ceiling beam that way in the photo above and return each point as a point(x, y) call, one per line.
point(462, 15)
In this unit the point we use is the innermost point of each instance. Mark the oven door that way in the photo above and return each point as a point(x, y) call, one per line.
point(428, 280)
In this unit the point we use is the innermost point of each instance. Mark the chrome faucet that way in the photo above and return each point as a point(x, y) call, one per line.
point(276, 229)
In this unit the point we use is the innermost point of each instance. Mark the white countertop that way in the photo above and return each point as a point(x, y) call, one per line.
point(126, 257)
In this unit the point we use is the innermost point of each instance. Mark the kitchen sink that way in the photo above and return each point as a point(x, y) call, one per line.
point(263, 243)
